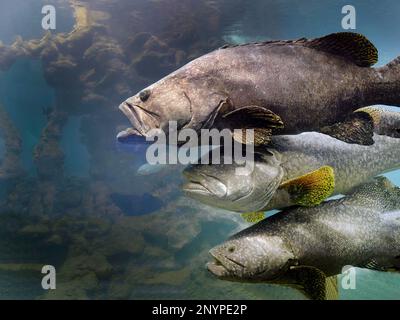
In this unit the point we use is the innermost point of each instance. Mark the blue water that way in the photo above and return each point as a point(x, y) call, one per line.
point(24, 93)
point(77, 157)
point(2, 147)
point(136, 205)
point(109, 232)
point(23, 18)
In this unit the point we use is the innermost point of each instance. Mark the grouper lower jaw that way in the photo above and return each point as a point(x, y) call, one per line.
point(141, 119)
point(217, 269)
point(218, 266)
point(130, 136)
point(191, 188)
point(130, 112)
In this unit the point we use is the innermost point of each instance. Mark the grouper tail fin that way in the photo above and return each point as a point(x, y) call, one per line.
point(387, 89)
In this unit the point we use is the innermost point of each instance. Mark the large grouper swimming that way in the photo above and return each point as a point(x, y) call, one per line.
point(291, 86)
point(301, 169)
point(303, 246)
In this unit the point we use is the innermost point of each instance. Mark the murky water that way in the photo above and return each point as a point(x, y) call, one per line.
point(76, 201)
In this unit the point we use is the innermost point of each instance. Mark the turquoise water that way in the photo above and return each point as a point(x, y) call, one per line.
point(24, 93)
point(77, 157)
point(2, 148)
point(23, 18)
point(79, 203)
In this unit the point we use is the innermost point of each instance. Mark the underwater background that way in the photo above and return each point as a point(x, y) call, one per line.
point(71, 197)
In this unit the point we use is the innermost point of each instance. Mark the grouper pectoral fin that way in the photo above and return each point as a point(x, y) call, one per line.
point(261, 137)
point(253, 217)
point(358, 128)
point(312, 188)
point(261, 119)
point(312, 281)
point(352, 46)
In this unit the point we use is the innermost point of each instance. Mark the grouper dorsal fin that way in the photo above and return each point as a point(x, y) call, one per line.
point(352, 46)
point(312, 188)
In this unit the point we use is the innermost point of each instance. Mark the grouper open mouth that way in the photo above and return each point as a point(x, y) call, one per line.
point(216, 268)
point(195, 187)
point(142, 121)
point(220, 265)
point(203, 184)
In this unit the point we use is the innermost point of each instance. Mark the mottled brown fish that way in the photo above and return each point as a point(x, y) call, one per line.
point(290, 86)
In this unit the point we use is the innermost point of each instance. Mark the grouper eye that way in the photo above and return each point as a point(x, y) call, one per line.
point(144, 95)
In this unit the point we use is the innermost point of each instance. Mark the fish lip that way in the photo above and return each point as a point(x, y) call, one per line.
point(219, 267)
point(136, 116)
point(216, 269)
point(129, 111)
point(128, 136)
point(194, 185)
point(127, 133)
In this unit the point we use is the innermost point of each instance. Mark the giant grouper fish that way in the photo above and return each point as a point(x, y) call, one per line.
point(301, 169)
point(303, 246)
point(291, 86)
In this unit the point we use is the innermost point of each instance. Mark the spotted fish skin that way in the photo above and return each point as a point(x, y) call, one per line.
point(280, 174)
point(355, 230)
point(352, 164)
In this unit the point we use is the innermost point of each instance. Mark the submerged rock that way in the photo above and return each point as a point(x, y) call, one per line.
point(133, 205)
point(113, 234)
point(11, 164)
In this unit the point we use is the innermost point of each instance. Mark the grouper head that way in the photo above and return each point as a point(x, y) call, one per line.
point(220, 185)
point(171, 99)
point(154, 106)
point(251, 257)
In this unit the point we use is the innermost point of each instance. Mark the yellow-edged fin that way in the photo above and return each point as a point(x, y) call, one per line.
point(253, 217)
point(312, 188)
point(386, 123)
point(357, 128)
point(374, 112)
point(331, 288)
